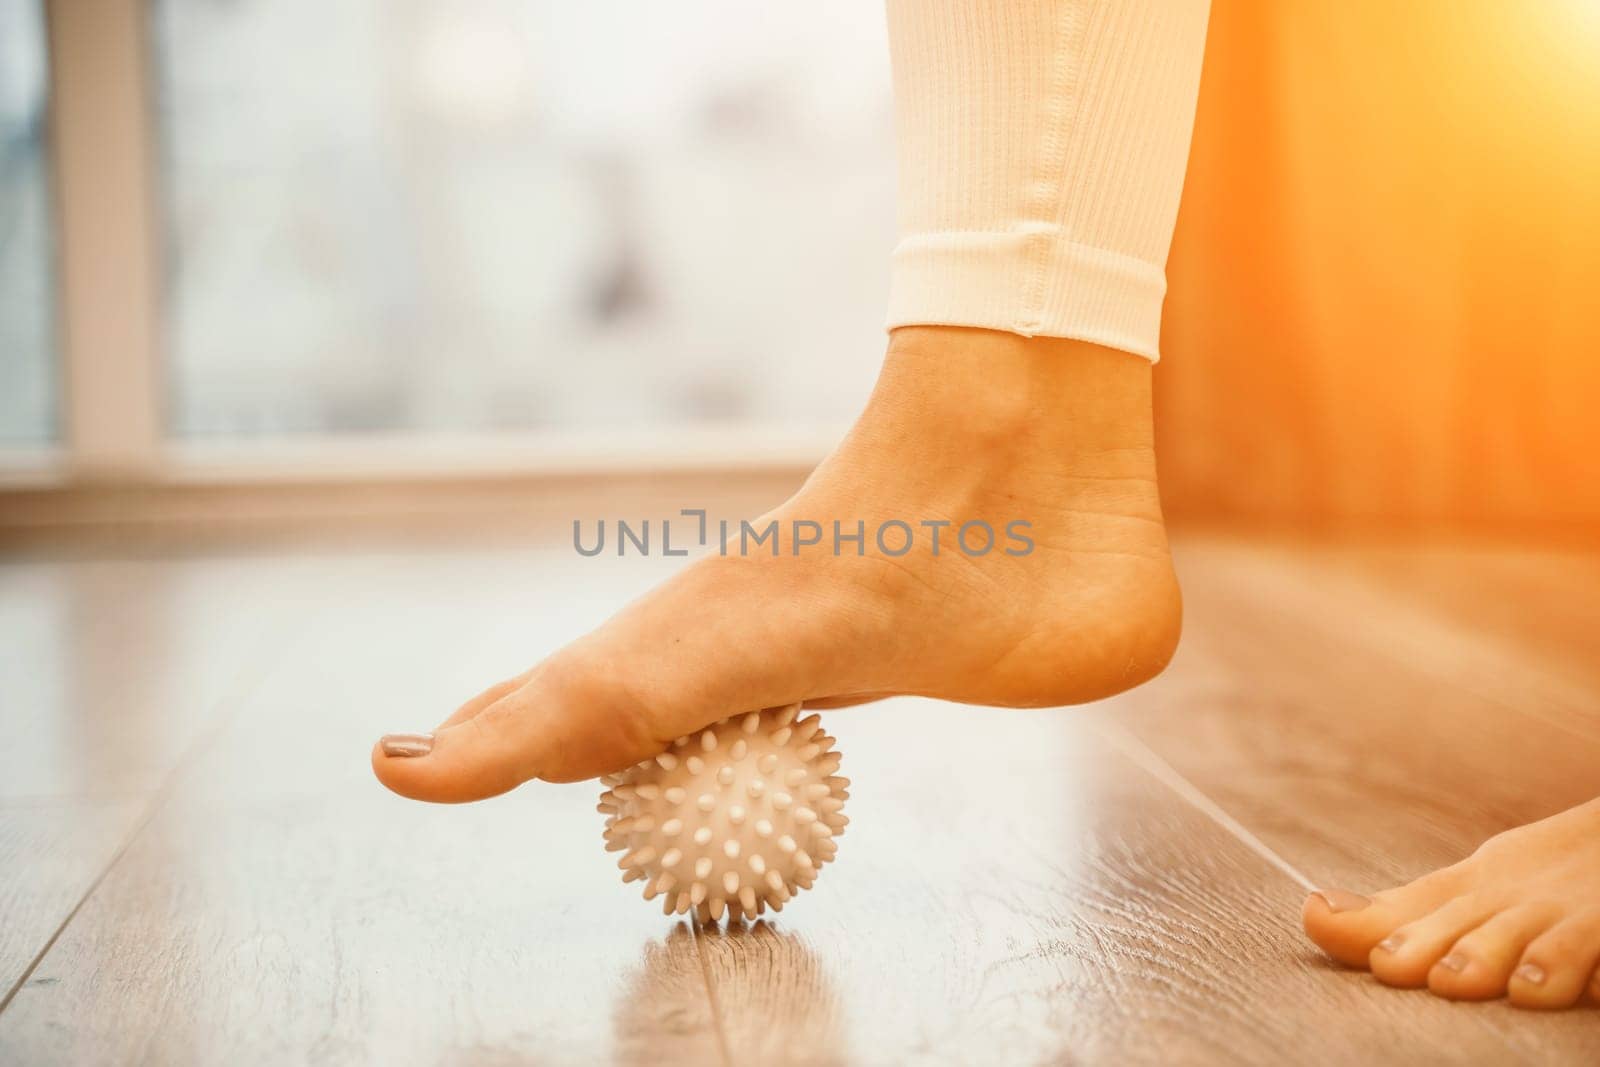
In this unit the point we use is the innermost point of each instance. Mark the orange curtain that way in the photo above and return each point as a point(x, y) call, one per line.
point(1384, 303)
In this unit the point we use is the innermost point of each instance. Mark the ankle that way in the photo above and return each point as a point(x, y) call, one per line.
point(1000, 393)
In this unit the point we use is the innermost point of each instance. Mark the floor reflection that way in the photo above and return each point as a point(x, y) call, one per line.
point(663, 1014)
point(773, 996)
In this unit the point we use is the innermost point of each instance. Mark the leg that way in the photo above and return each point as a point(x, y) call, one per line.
point(1042, 149)
point(1520, 918)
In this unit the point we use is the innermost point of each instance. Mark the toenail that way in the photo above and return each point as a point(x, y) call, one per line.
point(407, 745)
point(1456, 961)
point(1392, 942)
point(1531, 973)
point(1339, 900)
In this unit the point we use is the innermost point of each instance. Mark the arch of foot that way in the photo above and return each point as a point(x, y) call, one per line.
point(731, 820)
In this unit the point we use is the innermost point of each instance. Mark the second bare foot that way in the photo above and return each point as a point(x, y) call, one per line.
point(1519, 918)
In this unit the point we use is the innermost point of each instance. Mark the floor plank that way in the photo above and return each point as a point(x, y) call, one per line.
point(1362, 740)
point(280, 907)
point(1014, 886)
point(1324, 709)
point(1543, 606)
point(110, 669)
point(111, 672)
point(1019, 891)
point(51, 853)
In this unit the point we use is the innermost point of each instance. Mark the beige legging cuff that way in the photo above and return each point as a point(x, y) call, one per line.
point(1042, 146)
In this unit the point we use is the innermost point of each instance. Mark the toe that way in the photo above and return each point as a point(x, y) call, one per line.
point(573, 718)
point(1480, 963)
point(662, 667)
point(1557, 964)
point(1328, 918)
point(1346, 926)
point(1406, 956)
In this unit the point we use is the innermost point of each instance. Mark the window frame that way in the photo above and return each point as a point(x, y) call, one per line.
point(107, 256)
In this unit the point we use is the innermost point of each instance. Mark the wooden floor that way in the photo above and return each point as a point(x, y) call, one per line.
point(196, 867)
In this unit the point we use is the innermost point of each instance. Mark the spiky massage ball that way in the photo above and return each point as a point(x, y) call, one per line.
point(733, 819)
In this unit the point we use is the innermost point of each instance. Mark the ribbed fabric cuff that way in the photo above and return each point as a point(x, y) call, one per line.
point(1028, 283)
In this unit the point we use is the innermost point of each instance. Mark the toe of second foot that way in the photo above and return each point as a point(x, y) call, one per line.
point(1559, 967)
point(1332, 919)
point(1459, 977)
point(1549, 987)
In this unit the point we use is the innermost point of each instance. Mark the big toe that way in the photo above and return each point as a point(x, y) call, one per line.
point(663, 667)
point(1337, 920)
point(570, 719)
point(1347, 926)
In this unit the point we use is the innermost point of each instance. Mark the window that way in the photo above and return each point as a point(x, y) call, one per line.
point(27, 299)
point(521, 215)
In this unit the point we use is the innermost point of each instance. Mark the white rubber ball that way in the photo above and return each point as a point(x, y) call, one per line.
point(732, 820)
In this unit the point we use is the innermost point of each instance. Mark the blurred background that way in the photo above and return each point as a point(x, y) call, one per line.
point(398, 221)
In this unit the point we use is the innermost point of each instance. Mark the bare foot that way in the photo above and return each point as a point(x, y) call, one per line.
point(1518, 918)
point(963, 426)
